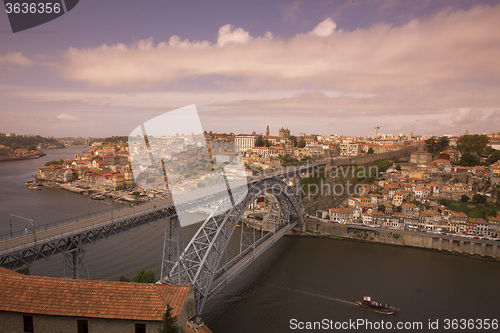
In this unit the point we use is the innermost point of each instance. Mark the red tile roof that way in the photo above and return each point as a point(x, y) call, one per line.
point(88, 298)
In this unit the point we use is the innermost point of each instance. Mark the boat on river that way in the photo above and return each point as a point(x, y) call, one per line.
point(367, 303)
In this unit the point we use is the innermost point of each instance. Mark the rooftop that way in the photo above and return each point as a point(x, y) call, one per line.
point(88, 298)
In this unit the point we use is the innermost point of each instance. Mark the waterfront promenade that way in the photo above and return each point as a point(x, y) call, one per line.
point(484, 248)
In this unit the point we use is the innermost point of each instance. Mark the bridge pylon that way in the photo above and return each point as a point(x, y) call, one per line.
point(173, 245)
point(75, 265)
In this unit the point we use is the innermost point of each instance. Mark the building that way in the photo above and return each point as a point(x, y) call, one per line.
point(341, 215)
point(45, 304)
point(420, 157)
point(245, 141)
point(397, 199)
point(284, 133)
point(349, 149)
point(410, 210)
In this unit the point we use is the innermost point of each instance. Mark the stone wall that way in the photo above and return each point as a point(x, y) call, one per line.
point(369, 158)
point(461, 245)
point(13, 322)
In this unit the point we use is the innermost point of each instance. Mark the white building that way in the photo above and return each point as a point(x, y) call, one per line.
point(245, 141)
point(350, 149)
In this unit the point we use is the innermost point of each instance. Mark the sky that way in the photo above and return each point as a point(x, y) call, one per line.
point(314, 66)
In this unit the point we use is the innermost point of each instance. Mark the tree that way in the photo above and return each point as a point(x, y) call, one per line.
point(436, 145)
point(469, 159)
point(398, 167)
point(494, 156)
point(370, 151)
point(464, 198)
point(55, 162)
point(431, 144)
point(123, 278)
point(473, 144)
point(443, 143)
point(24, 271)
point(301, 143)
point(293, 140)
point(145, 276)
point(479, 199)
point(261, 142)
point(168, 324)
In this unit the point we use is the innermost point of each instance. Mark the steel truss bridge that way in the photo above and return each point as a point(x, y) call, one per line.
point(205, 262)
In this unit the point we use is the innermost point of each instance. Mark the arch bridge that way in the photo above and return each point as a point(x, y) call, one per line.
point(210, 260)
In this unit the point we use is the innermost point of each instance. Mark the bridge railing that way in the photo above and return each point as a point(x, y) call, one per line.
point(74, 231)
point(83, 217)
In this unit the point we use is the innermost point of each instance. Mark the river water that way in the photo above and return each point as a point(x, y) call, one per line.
point(299, 280)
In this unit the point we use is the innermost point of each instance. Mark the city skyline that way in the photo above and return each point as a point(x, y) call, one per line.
point(340, 67)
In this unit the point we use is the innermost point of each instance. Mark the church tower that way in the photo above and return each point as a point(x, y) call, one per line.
point(267, 130)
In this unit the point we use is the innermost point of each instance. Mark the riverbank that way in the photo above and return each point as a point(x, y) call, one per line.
point(478, 248)
point(20, 158)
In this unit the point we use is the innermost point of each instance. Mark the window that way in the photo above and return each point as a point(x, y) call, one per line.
point(82, 326)
point(28, 324)
point(140, 328)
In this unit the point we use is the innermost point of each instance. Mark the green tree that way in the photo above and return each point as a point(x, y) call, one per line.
point(301, 143)
point(443, 143)
point(436, 145)
point(293, 140)
point(473, 144)
point(55, 162)
point(494, 156)
point(398, 167)
point(24, 271)
point(259, 142)
point(168, 324)
point(464, 198)
point(145, 276)
point(123, 278)
point(431, 145)
point(479, 199)
point(370, 151)
point(469, 159)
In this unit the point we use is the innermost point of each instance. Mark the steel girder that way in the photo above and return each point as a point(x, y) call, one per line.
point(199, 262)
point(68, 243)
point(173, 244)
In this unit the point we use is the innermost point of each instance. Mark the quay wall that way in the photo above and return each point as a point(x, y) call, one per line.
point(369, 158)
point(447, 243)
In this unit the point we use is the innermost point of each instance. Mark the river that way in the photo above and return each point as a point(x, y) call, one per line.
point(298, 280)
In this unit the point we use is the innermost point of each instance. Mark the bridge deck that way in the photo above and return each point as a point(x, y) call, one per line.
point(246, 260)
point(40, 237)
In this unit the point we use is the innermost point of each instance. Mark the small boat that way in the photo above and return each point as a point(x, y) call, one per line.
point(367, 303)
point(34, 187)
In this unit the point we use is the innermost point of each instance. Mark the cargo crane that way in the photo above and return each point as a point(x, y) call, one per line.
point(376, 130)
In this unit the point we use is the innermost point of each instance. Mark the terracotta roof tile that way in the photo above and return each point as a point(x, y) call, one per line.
point(89, 298)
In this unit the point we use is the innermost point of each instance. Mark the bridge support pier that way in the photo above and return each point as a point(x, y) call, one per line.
point(75, 265)
point(173, 245)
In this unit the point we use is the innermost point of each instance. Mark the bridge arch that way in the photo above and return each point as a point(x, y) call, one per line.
point(200, 262)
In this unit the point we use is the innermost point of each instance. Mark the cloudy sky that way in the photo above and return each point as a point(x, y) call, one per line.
point(324, 67)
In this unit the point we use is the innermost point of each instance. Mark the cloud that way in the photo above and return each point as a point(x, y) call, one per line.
point(231, 34)
point(290, 11)
point(15, 58)
point(325, 28)
point(67, 117)
point(448, 49)
point(176, 41)
point(445, 65)
point(466, 116)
